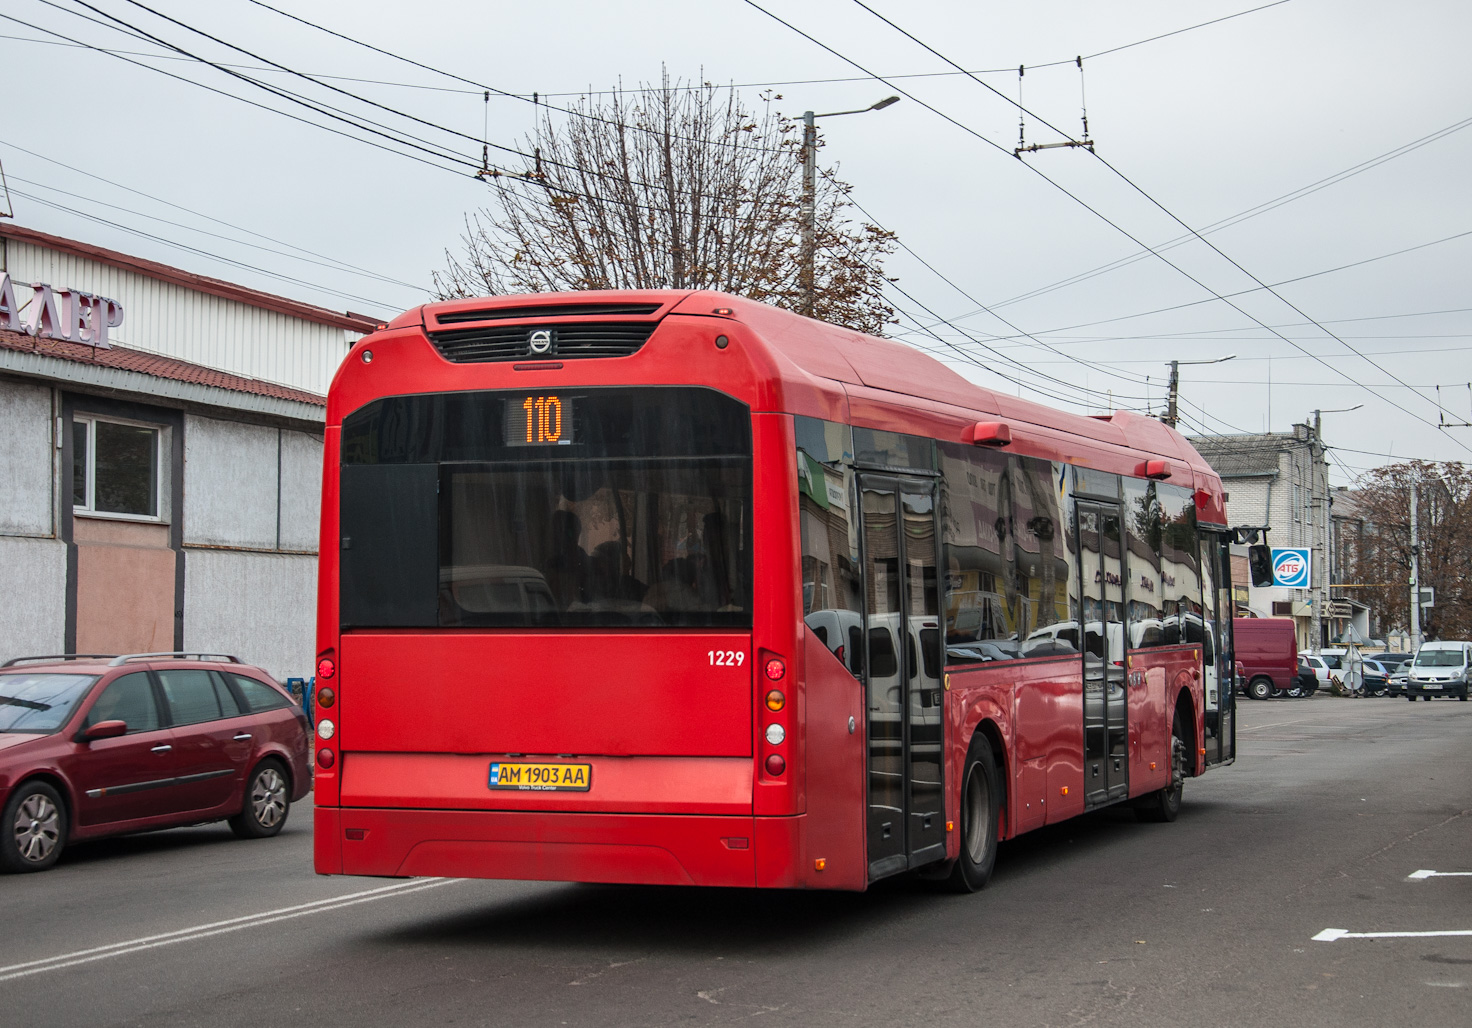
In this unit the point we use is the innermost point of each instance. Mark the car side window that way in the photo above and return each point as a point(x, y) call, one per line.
point(130, 699)
point(259, 695)
point(191, 696)
point(229, 705)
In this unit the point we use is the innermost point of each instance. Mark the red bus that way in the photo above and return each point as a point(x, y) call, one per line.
point(674, 587)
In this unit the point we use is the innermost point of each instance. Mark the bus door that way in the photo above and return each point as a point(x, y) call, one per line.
point(1218, 655)
point(903, 673)
point(1106, 756)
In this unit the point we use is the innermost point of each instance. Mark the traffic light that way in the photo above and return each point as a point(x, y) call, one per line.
point(1260, 565)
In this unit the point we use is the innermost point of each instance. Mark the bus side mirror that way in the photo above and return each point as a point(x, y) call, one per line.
point(1260, 565)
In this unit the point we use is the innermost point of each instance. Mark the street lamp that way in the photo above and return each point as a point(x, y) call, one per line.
point(809, 193)
point(1175, 385)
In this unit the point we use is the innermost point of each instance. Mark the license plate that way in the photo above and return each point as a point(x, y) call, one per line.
point(533, 777)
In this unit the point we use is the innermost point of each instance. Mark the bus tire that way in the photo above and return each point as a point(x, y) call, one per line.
point(1260, 688)
point(980, 819)
point(1164, 804)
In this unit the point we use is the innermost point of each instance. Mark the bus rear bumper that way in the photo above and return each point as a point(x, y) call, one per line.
point(651, 849)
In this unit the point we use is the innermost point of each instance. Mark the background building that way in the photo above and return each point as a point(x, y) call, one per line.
point(1280, 481)
point(162, 472)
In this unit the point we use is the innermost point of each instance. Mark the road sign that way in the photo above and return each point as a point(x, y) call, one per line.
point(1340, 609)
point(1428, 596)
point(1291, 567)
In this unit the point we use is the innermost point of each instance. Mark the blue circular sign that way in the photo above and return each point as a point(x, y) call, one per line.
point(1290, 568)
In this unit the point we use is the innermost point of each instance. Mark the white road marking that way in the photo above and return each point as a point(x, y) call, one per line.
point(204, 931)
point(1421, 876)
point(1335, 934)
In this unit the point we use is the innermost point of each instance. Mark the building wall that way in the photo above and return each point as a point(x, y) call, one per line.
point(33, 569)
point(125, 586)
point(251, 499)
point(27, 499)
point(169, 319)
point(32, 559)
point(260, 607)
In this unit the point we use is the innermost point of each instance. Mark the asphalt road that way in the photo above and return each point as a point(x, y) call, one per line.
point(1332, 806)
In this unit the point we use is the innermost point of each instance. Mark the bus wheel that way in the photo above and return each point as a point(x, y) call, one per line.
point(1260, 688)
point(980, 811)
point(1164, 804)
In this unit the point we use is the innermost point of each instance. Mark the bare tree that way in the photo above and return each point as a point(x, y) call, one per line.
point(678, 187)
point(1381, 556)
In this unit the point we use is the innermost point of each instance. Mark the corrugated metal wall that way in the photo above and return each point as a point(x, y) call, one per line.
point(168, 319)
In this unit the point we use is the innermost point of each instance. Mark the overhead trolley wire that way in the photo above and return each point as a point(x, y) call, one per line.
point(1163, 209)
point(340, 265)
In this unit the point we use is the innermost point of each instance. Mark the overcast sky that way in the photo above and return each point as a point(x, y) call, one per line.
point(1202, 125)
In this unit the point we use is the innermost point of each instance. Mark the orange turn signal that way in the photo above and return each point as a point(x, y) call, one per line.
point(819, 864)
point(775, 700)
point(950, 826)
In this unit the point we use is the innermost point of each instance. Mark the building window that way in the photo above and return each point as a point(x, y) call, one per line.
point(115, 468)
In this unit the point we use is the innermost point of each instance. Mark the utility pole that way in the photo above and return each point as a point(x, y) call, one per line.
point(1170, 416)
point(809, 209)
point(1415, 622)
point(808, 272)
point(1175, 388)
point(1319, 514)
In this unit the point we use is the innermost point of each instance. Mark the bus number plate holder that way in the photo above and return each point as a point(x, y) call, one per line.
point(531, 776)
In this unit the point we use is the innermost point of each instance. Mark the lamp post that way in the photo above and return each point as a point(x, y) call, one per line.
point(809, 193)
point(1319, 503)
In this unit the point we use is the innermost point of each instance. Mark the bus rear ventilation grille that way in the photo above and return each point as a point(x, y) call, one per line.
point(548, 310)
point(538, 342)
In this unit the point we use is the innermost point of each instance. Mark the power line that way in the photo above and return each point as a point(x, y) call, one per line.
point(332, 266)
point(1163, 209)
point(1251, 212)
point(196, 251)
point(342, 265)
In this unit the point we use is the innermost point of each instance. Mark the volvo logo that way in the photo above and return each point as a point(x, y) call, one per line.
point(540, 340)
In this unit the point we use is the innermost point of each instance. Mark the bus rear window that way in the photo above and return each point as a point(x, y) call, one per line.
point(463, 510)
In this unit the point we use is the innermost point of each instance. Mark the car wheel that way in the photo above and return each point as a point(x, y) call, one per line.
point(1260, 688)
point(980, 817)
point(267, 802)
point(34, 828)
point(1164, 804)
point(1411, 698)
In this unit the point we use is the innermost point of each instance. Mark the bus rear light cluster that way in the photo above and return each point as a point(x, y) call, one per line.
point(325, 758)
point(775, 700)
point(775, 669)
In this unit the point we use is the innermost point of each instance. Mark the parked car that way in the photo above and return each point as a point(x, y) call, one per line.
point(1375, 676)
point(92, 746)
point(1326, 668)
point(1439, 669)
point(1268, 650)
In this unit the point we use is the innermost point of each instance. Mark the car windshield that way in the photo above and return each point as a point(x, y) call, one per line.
point(1439, 658)
point(38, 702)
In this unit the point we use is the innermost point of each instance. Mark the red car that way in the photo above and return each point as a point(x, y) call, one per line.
point(98, 745)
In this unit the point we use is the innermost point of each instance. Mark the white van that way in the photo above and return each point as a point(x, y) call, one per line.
point(1439, 669)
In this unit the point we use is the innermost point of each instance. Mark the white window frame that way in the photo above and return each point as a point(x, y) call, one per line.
point(88, 510)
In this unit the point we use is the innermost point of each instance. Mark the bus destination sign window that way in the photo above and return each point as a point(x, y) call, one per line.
point(539, 421)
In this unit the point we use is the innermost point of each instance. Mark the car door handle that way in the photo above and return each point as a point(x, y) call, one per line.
point(165, 748)
point(241, 737)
